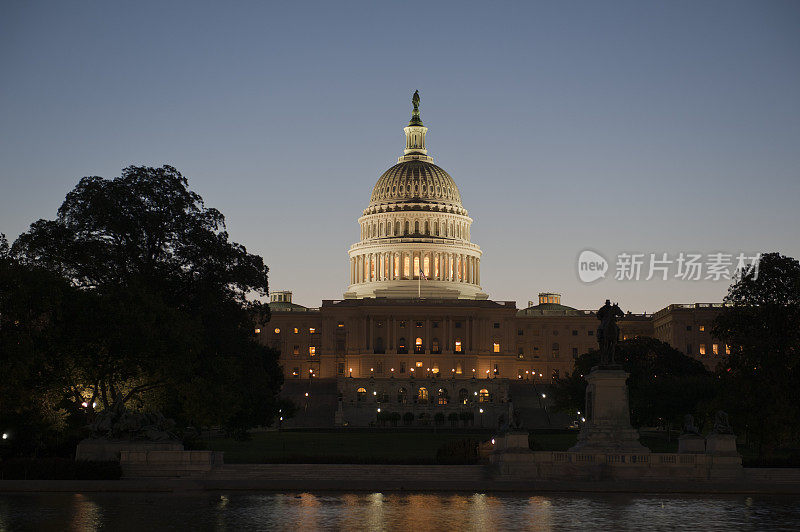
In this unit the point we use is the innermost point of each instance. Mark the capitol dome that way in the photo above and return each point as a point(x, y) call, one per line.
point(415, 181)
point(415, 233)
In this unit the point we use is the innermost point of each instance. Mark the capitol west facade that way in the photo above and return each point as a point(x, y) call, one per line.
point(415, 334)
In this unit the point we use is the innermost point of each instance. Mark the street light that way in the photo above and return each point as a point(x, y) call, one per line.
point(544, 396)
point(5, 435)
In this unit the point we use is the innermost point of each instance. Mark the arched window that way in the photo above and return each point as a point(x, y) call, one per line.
point(379, 349)
point(436, 228)
point(463, 396)
point(427, 228)
point(406, 231)
point(483, 396)
point(458, 348)
point(401, 346)
point(441, 396)
point(402, 396)
point(555, 346)
point(381, 230)
point(419, 348)
point(396, 228)
point(422, 395)
point(361, 394)
point(416, 227)
point(435, 347)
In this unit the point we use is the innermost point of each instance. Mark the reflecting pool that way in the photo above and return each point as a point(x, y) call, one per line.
point(232, 511)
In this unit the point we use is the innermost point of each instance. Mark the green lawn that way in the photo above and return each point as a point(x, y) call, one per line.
point(377, 447)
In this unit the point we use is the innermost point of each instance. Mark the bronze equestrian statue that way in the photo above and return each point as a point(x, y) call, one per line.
point(608, 332)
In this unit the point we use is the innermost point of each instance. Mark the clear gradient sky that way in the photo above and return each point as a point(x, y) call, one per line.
point(619, 126)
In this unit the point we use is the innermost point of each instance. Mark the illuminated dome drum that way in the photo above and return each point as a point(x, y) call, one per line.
point(415, 234)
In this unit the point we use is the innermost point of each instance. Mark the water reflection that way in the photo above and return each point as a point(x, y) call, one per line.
point(236, 511)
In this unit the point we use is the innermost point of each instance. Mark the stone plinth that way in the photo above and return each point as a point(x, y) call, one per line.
point(721, 445)
point(512, 454)
point(608, 422)
point(177, 463)
point(691, 443)
point(103, 450)
point(512, 441)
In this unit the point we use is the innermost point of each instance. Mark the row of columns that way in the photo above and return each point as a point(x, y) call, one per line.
point(407, 227)
point(438, 266)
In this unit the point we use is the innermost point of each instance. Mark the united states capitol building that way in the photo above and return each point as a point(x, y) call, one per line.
point(415, 333)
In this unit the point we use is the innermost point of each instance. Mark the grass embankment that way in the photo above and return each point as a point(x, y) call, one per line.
point(377, 447)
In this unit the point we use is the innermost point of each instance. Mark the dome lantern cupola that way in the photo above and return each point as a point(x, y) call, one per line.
point(415, 136)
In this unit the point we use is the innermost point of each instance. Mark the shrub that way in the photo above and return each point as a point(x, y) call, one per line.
point(458, 452)
point(452, 417)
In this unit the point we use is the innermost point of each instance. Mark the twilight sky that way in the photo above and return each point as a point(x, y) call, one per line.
point(616, 126)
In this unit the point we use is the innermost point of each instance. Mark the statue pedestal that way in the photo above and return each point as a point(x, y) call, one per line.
point(516, 442)
point(512, 454)
point(608, 422)
point(691, 444)
point(721, 445)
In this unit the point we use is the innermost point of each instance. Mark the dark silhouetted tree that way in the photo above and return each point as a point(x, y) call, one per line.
point(171, 326)
point(664, 384)
point(761, 326)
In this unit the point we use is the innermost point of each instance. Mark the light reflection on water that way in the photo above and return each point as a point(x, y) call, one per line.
point(233, 511)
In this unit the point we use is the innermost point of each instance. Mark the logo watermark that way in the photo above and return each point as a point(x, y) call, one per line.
point(591, 266)
point(663, 266)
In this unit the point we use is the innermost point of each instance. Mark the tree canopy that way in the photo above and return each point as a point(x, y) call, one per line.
point(156, 307)
point(664, 384)
point(761, 325)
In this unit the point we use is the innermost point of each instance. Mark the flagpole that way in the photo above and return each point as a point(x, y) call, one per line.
point(419, 286)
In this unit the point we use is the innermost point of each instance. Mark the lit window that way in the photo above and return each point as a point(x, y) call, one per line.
point(419, 364)
point(727, 349)
point(311, 330)
point(496, 347)
point(296, 330)
point(312, 350)
point(296, 350)
point(702, 327)
point(422, 395)
point(483, 396)
point(458, 346)
point(258, 331)
point(277, 330)
point(361, 393)
point(341, 325)
point(715, 348)
point(295, 372)
point(702, 349)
